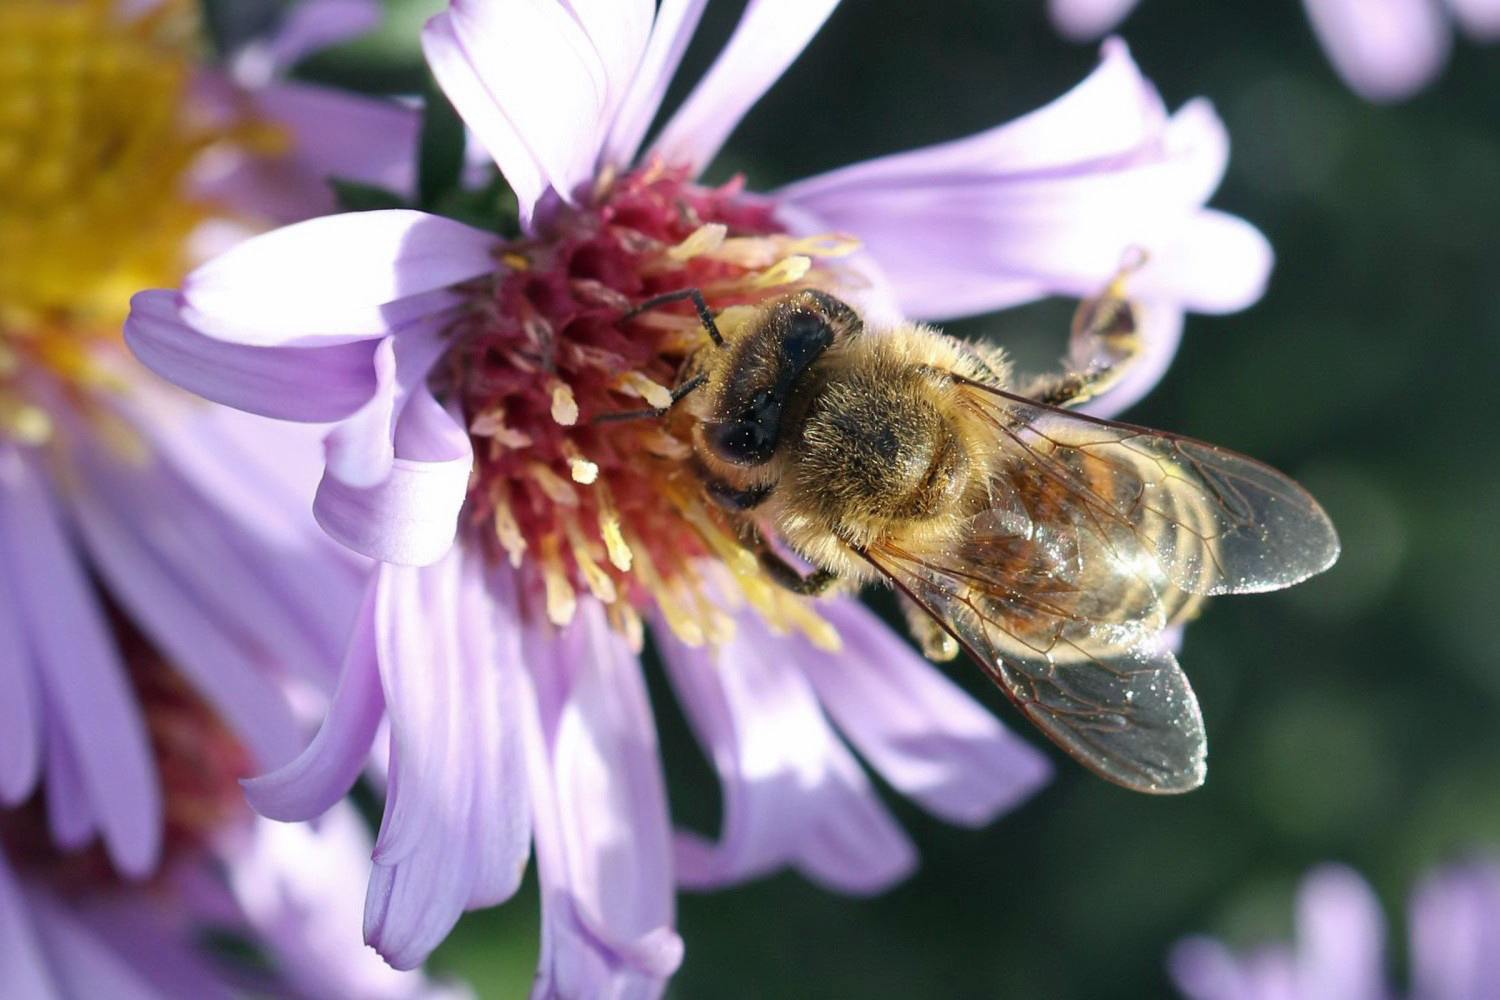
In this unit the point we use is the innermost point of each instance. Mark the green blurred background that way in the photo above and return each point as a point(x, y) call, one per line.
point(1351, 718)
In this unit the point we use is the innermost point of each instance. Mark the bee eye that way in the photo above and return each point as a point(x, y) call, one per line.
point(742, 442)
point(807, 336)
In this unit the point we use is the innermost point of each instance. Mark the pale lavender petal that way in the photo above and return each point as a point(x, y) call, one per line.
point(465, 86)
point(1082, 20)
point(1384, 49)
point(1479, 19)
point(457, 824)
point(299, 886)
point(538, 81)
point(360, 450)
point(1217, 263)
point(204, 593)
point(1203, 969)
point(1049, 204)
point(602, 831)
point(1455, 933)
point(1340, 936)
point(313, 384)
point(771, 34)
point(670, 33)
point(86, 686)
point(347, 136)
point(83, 962)
point(70, 814)
point(325, 771)
point(159, 941)
point(335, 279)
point(313, 25)
point(924, 735)
point(411, 517)
point(21, 730)
point(23, 964)
point(790, 788)
point(1109, 114)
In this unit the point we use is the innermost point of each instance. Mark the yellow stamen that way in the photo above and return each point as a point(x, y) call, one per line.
point(22, 422)
point(508, 531)
point(492, 426)
point(627, 621)
point(558, 489)
point(594, 576)
point(783, 272)
point(564, 406)
point(609, 530)
point(562, 601)
point(683, 623)
point(703, 240)
point(638, 385)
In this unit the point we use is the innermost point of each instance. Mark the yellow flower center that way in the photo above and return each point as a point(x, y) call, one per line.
point(96, 138)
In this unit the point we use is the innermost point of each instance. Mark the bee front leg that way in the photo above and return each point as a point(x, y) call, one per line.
point(813, 584)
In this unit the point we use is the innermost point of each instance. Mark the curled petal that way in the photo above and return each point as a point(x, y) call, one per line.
point(457, 824)
point(335, 279)
point(599, 803)
point(915, 727)
point(325, 771)
point(771, 34)
point(86, 687)
point(411, 516)
point(313, 384)
point(793, 795)
point(1385, 50)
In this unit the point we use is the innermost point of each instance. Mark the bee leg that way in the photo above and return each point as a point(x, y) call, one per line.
point(1105, 341)
point(652, 411)
point(813, 584)
point(704, 316)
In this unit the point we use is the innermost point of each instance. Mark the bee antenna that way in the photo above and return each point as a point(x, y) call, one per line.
point(704, 316)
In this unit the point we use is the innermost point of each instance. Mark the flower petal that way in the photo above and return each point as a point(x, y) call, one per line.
point(1479, 19)
point(314, 25)
point(325, 771)
point(603, 843)
point(1340, 935)
point(771, 34)
point(1455, 933)
point(926, 737)
point(457, 823)
point(334, 279)
point(83, 961)
point(1084, 20)
point(20, 694)
point(790, 788)
point(205, 593)
point(299, 886)
point(86, 686)
point(1050, 203)
point(670, 33)
point(539, 81)
point(1385, 50)
point(1218, 263)
point(333, 135)
point(313, 384)
point(411, 516)
point(1203, 969)
point(23, 964)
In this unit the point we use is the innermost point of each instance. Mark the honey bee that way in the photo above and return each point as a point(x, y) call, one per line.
point(1057, 548)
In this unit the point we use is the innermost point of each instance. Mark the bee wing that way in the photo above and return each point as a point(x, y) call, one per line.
point(1078, 646)
point(1098, 537)
point(1213, 521)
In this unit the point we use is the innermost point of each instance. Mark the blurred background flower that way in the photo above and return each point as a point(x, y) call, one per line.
point(138, 526)
point(1386, 50)
point(1340, 950)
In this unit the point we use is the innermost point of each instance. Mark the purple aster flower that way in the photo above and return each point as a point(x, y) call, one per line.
point(525, 548)
point(138, 525)
point(1385, 50)
point(1339, 953)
